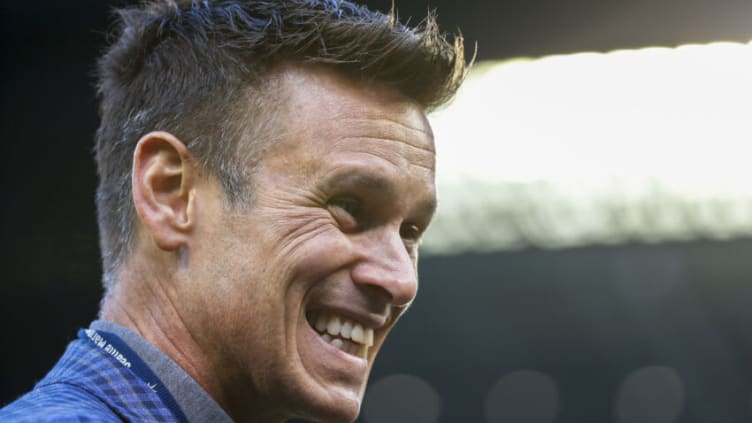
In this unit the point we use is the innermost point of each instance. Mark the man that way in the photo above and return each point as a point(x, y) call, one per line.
point(266, 173)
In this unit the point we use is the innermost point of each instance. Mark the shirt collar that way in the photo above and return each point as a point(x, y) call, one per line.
point(192, 399)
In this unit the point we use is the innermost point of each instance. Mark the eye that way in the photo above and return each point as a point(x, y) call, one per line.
point(411, 233)
point(346, 211)
point(347, 204)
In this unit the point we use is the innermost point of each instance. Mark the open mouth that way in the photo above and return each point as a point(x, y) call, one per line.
point(344, 334)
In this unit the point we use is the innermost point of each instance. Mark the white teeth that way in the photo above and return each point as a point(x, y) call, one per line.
point(346, 329)
point(357, 334)
point(337, 343)
point(369, 337)
point(334, 326)
point(362, 336)
point(321, 323)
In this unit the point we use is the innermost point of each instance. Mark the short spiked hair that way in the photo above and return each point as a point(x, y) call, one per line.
point(201, 70)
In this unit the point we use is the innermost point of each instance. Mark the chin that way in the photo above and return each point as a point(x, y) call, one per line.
point(328, 407)
point(324, 381)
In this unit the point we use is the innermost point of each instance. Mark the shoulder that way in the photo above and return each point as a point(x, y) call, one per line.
point(88, 385)
point(58, 402)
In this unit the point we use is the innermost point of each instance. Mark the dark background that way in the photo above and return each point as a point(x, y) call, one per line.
point(586, 317)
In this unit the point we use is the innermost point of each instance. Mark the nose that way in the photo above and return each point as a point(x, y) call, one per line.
point(386, 264)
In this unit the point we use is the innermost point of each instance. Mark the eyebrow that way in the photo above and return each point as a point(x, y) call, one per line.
point(357, 177)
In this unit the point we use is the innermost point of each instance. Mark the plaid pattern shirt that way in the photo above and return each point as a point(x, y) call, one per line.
point(88, 385)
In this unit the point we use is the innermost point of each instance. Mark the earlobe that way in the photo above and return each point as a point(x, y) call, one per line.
point(163, 194)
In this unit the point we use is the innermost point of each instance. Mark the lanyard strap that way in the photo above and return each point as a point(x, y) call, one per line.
point(126, 357)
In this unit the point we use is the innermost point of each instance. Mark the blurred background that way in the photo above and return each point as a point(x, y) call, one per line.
point(592, 257)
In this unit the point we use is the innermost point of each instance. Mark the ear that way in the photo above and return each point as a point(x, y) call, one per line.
point(163, 180)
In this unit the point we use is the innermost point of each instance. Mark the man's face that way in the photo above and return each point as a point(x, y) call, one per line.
point(296, 294)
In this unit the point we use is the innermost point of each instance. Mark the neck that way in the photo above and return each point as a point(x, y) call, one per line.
point(148, 305)
point(145, 303)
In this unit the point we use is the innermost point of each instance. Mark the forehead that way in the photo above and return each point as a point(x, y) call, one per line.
point(341, 122)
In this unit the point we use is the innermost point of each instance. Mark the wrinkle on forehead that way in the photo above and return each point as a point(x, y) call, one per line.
point(329, 116)
point(402, 159)
point(392, 138)
point(329, 96)
point(413, 120)
point(389, 128)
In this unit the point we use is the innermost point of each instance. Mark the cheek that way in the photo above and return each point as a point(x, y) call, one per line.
point(321, 252)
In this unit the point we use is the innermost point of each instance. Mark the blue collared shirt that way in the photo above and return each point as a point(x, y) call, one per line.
point(111, 374)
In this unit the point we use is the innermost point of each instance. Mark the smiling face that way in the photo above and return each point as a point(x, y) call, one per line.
point(293, 298)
